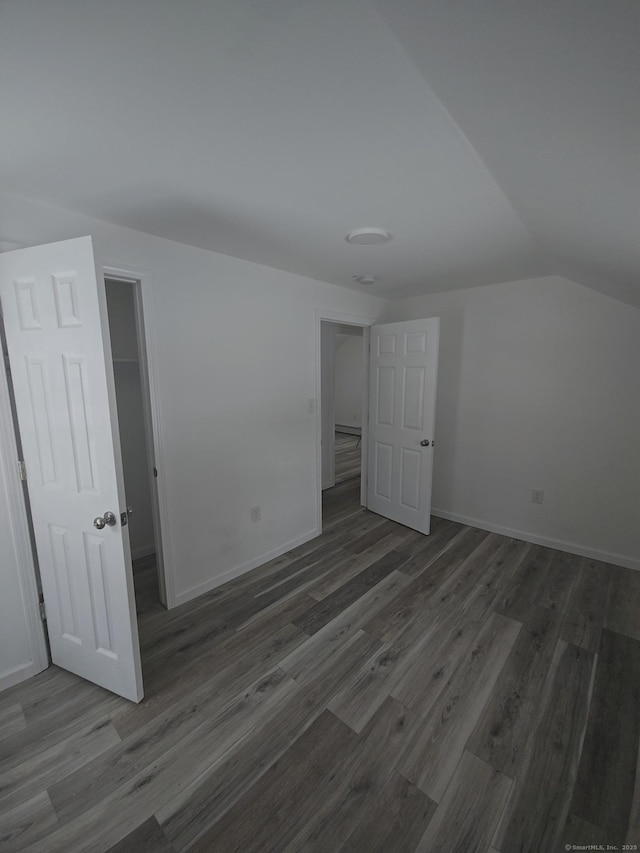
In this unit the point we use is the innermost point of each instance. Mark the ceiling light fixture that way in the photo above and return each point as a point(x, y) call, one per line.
point(365, 279)
point(368, 236)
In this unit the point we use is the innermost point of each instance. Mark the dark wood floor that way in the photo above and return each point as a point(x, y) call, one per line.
point(347, 456)
point(372, 690)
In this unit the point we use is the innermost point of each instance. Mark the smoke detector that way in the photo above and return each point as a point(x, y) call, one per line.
point(368, 236)
point(365, 279)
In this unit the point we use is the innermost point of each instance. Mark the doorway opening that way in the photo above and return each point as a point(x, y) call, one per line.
point(348, 383)
point(342, 412)
point(126, 328)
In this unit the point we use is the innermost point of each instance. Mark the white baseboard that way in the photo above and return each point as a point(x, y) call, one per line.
point(236, 571)
point(17, 674)
point(535, 539)
point(143, 551)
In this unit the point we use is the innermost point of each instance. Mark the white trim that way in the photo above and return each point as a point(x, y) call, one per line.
point(349, 320)
point(149, 372)
point(17, 674)
point(326, 404)
point(364, 419)
point(22, 542)
point(547, 541)
point(236, 571)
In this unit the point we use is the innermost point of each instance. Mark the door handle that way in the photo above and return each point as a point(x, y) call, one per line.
point(108, 519)
point(424, 442)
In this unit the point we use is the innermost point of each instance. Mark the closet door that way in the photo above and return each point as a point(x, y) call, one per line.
point(56, 325)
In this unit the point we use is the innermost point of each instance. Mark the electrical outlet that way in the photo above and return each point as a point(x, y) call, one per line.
point(255, 513)
point(537, 496)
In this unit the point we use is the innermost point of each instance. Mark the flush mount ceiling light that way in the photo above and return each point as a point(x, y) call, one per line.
point(365, 279)
point(368, 236)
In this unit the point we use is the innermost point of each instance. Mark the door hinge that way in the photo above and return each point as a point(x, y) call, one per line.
point(43, 611)
point(22, 470)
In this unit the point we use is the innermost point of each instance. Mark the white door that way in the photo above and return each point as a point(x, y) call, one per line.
point(57, 334)
point(402, 397)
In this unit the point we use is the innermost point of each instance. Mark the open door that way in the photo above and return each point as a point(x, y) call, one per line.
point(57, 336)
point(402, 405)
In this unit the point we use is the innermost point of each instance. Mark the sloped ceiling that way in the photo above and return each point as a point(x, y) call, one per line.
point(496, 139)
point(548, 92)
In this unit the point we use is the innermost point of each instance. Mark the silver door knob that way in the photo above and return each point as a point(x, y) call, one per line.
point(424, 442)
point(103, 520)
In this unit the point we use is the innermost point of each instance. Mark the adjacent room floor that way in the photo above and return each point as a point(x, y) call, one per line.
point(372, 690)
point(347, 455)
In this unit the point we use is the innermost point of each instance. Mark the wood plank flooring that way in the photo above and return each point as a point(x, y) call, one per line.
point(372, 690)
point(347, 457)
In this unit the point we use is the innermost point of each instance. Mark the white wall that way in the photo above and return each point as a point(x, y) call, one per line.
point(126, 369)
point(235, 368)
point(539, 388)
point(349, 377)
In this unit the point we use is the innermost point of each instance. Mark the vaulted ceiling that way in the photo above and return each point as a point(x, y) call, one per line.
point(496, 139)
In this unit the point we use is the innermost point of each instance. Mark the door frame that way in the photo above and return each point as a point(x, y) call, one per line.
point(147, 354)
point(327, 402)
point(323, 315)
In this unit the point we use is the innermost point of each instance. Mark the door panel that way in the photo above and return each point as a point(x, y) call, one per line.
point(410, 478)
point(383, 470)
point(403, 372)
point(55, 321)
